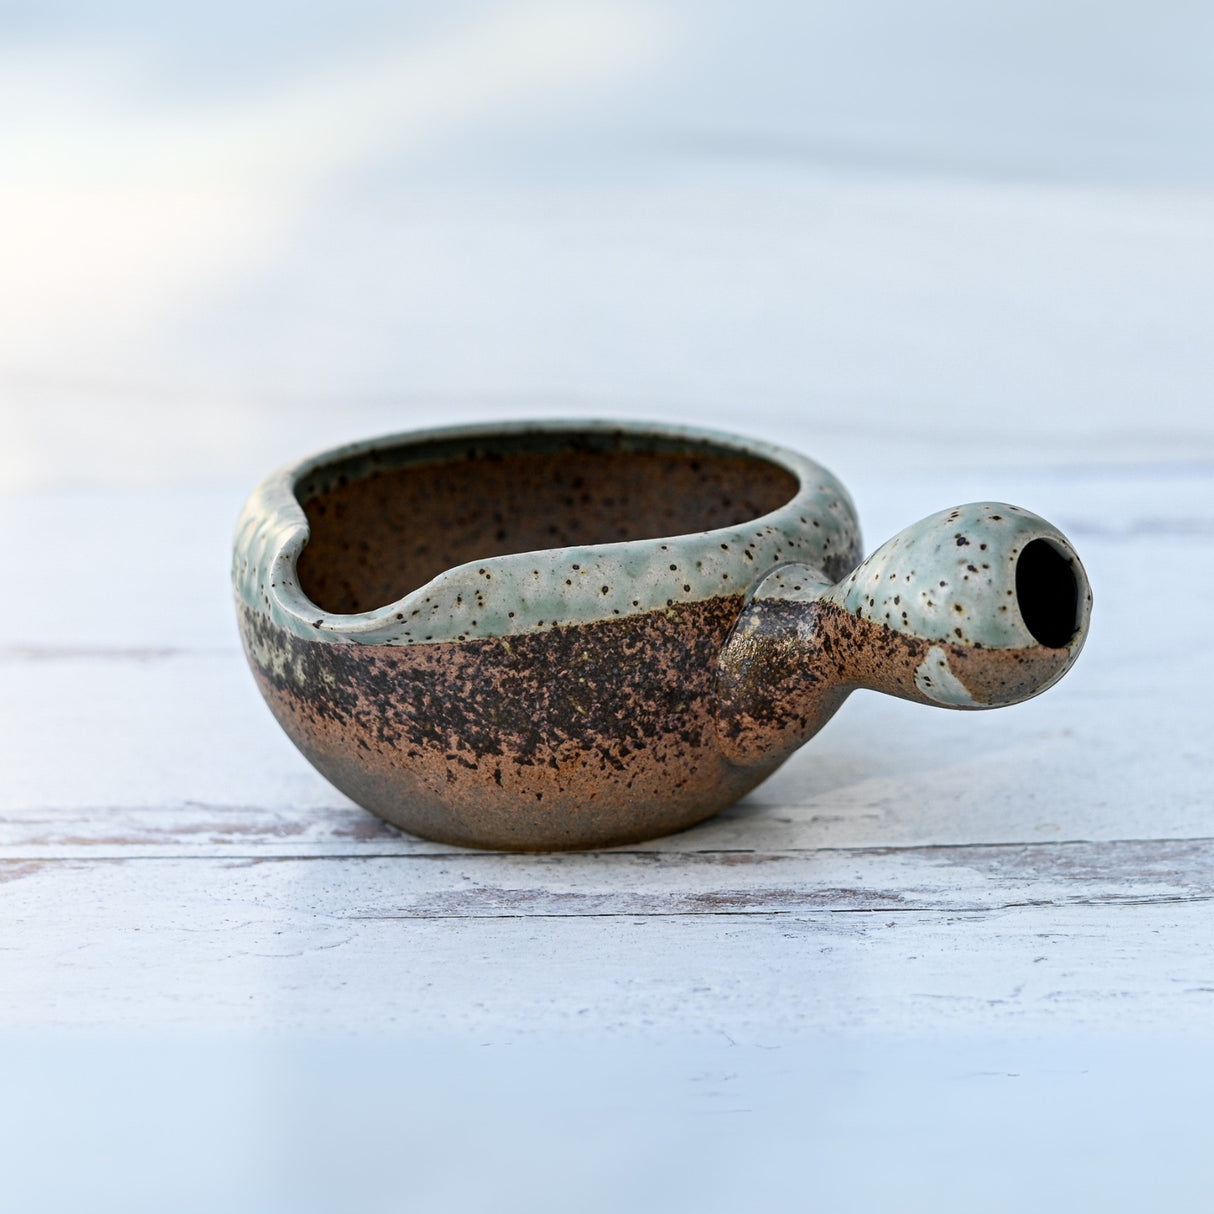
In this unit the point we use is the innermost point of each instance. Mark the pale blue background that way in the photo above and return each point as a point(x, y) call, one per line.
point(940, 232)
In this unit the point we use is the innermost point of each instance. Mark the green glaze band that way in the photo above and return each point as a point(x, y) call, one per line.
point(531, 592)
point(951, 577)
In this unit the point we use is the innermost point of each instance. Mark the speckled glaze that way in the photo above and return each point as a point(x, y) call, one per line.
point(560, 635)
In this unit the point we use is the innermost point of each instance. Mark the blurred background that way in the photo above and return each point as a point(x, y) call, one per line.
point(936, 235)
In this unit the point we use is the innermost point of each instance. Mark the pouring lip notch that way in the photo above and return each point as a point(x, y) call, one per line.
point(817, 524)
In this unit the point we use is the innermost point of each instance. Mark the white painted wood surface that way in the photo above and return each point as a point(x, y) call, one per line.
point(940, 290)
point(1050, 865)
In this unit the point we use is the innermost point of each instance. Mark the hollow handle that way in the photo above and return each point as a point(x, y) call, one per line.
point(979, 606)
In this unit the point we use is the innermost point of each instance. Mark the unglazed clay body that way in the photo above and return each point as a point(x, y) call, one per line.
point(559, 635)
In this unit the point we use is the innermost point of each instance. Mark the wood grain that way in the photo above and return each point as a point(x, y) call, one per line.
point(167, 858)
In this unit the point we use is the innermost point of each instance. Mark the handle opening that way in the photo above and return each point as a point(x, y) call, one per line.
point(1047, 593)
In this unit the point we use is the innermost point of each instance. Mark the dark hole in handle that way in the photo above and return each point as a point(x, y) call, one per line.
point(1048, 594)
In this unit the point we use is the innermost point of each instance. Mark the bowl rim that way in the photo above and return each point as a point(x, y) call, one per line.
point(817, 524)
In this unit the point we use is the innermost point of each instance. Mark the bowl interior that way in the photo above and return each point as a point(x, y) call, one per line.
point(384, 523)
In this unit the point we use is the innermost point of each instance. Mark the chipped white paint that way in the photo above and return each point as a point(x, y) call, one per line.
point(936, 680)
point(168, 859)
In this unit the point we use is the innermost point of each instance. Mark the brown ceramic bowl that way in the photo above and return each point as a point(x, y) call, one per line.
point(567, 634)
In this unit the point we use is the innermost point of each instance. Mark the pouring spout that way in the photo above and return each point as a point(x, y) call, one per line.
point(980, 606)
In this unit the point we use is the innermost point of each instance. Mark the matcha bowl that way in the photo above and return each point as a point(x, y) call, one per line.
point(553, 635)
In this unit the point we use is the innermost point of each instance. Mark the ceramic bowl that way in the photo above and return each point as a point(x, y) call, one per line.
point(561, 635)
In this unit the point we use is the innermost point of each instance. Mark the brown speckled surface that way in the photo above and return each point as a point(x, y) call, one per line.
point(576, 737)
point(789, 665)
